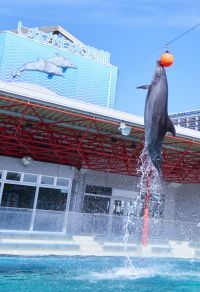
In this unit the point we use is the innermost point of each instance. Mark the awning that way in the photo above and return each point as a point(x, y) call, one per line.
point(86, 140)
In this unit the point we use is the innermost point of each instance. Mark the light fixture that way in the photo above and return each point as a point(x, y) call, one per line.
point(125, 130)
point(26, 160)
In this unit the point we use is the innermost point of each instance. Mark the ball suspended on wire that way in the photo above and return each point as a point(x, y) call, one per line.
point(166, 59)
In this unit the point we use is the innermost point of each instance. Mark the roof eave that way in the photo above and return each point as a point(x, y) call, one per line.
point(43, 96)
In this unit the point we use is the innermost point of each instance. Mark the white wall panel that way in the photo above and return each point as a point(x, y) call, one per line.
point(37, 167)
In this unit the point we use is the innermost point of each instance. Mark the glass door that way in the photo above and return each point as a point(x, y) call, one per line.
point(50, 209)
point(124, 206)
point(16, 207)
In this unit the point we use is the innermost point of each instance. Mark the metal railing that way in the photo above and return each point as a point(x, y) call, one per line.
point(76, 223)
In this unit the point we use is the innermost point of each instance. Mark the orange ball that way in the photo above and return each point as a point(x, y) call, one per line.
point(167, 59)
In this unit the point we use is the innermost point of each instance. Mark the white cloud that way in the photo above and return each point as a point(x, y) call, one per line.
point(184, 20)
point(127, 13)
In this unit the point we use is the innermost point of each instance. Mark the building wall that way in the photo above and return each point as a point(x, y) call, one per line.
point(93, 81)
point(37, 167)
point(112, 180)
point(169, 209)
point(189, 119)
point(187, 203)
point(182, 202)
point(181, 212)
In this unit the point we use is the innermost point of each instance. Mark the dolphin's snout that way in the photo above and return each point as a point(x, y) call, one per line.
point(159, 65)
point(160, 70)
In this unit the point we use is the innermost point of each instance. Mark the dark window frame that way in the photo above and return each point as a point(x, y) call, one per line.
point(15, 192)
point(98, 190)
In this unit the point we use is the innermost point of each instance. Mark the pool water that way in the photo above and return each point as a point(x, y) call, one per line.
point(98, 274)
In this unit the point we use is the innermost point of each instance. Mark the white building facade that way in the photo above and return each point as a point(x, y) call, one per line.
point(65, 166)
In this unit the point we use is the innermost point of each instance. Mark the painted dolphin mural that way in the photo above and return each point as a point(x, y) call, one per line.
point(156, 120)
point(61, 61)
point(41, 66)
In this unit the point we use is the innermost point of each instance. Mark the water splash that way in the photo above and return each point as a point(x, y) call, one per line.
point(162, 270)
point(122, 273)
point(149, 178)
point(129, 263)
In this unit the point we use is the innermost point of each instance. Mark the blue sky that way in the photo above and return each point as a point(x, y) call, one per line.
point(129, 30)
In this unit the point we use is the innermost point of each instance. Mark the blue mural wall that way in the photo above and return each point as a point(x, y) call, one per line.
point(92, 81)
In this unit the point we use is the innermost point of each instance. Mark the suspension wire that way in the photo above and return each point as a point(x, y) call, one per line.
point(181, 35)
point(158, 49)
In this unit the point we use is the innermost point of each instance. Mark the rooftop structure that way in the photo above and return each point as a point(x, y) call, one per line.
point(52, 57)
point(189, 119)
point(86, 136)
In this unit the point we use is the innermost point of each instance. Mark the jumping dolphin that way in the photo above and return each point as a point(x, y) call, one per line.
point(61, 61)
point(156, 120)
point(41, 66)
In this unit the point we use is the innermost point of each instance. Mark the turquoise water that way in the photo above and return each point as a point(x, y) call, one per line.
point(98, 274)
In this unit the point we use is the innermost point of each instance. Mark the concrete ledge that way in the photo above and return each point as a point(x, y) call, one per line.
point(197, 253)
point(120, 247)
point(159, 242)
point(102, 239)
point(194, 244)
point(88, 246)
point(35, 236)
point(159, 249)
point(33, 246)
point(113, 239)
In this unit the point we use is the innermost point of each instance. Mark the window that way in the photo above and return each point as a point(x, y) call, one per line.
point(156, 205)
point(97, 190)
point(18, 196)
point(119, 207)
point(13, 176)
point(94, 204)
point(47, 180)
point(62, 182)
point(52, 199)
point(124, 207)
point(32, 178)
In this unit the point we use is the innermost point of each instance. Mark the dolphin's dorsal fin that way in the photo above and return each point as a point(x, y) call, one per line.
point(143, 86)
point(170, 127)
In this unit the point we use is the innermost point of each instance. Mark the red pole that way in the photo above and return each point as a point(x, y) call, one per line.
point(146, 214)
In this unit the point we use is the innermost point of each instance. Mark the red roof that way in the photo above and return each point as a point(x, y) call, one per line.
point(67, 137)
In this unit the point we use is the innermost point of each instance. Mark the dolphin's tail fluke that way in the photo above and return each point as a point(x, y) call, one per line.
point(18, 72)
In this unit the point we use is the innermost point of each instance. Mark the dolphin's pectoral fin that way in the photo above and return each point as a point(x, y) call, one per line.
point(170, 127)
point(50, 76)
point(17, 73)
point(143, 87)
point(64, 70)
